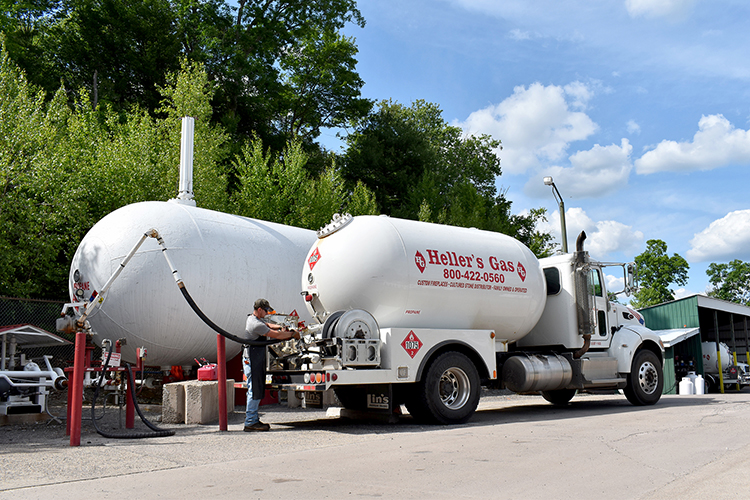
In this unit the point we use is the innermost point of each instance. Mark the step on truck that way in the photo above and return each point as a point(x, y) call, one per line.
point(422, 315)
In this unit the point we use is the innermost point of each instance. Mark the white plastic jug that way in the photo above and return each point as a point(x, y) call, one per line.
point(686, 387)
point(700, 385)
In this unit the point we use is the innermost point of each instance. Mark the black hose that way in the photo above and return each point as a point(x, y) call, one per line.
point(131, 385)
point(131, 435)
point(218, 329)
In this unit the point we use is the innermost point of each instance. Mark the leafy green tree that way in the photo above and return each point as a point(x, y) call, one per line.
point(730, 281)
point(321, 86)
point(277, 188)
point(656, 271)
point(281, 67)
point(62, 168)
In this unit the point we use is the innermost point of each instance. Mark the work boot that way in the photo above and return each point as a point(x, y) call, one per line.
point(257, 426)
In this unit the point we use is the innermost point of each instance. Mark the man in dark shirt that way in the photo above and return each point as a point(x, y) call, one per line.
point(254, 360)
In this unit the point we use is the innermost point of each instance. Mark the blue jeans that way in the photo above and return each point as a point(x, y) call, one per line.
point(251, 409)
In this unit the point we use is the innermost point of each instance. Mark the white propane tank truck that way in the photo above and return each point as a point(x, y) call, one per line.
point(424, 314)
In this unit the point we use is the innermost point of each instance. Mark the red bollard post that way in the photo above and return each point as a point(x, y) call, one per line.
point(76, 386)
point(221, 362)
point(129, 404)
point(70, 404)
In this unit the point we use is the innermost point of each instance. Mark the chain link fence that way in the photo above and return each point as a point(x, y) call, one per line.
point(41, 314)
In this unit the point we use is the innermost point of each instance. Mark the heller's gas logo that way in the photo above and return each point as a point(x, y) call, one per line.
point(412, 344)
point(314, 258)
point(521, 271)
point(420, 262)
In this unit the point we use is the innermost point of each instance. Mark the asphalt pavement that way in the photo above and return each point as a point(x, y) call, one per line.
point(514, 447)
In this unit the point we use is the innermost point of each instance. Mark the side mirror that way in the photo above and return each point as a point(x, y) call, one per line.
point(630, 285)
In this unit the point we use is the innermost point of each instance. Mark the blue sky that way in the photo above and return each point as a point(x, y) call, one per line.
point(639, 109)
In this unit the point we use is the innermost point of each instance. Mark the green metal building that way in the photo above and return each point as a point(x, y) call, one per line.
point(685, 323)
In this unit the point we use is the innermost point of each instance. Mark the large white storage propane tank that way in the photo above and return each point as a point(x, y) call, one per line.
point(226, 262)
point(419, 275)
point(710, 361)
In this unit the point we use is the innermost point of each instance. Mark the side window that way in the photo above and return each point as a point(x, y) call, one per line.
point(595, 283)
point(552, 275)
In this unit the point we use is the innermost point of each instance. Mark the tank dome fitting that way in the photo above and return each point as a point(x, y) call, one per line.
point(337, 222)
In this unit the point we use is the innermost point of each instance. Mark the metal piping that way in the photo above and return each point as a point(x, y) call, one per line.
point(582, 297)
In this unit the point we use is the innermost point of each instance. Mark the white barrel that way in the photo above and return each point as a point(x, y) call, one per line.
point(700, 385)
point(419, 275)
point(692, 376)
point(226, 263)
point(710, 360)
point(686, 387)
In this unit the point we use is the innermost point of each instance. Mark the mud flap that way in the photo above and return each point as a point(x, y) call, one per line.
point(379, 405)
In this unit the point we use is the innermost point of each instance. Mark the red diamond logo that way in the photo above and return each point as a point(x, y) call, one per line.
point(412, 344)
point(420, 262)
point(314, 258)
point(521, 271)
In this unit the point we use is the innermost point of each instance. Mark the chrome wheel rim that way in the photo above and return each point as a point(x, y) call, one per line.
point(648, 377)
point(454, 388)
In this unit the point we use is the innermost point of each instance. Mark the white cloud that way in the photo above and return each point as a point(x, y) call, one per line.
point(535, 124)
point(592, 174)
point(633, 127)
point(673, 10)
point(602, 238)
point(724, 239)
point(716, 144)
point(614, 283)
point(517, 34)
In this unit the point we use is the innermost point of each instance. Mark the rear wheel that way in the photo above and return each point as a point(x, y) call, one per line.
point(448, 392)
point(351, 397)
point(646, 380)
point(560, 397)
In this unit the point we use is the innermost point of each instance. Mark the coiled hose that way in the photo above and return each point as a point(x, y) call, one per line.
point(156, 432)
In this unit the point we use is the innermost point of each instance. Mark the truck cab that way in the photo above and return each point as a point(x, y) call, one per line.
point(599, 337)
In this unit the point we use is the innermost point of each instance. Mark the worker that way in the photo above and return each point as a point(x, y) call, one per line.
point(254, 360)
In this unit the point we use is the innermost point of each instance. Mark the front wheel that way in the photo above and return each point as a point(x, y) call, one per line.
point(646, 379)
point(448, 392)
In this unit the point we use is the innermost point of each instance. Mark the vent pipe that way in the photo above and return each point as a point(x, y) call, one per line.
point(185, 194)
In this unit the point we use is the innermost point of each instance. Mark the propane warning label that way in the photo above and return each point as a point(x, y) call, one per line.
point(314, 258)
point(411, 344)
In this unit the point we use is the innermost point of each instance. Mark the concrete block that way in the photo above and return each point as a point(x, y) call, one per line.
point(194, 401)
point(173, 403)
point(329, 398)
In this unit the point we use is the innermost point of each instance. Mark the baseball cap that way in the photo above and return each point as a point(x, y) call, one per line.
point(262, 304)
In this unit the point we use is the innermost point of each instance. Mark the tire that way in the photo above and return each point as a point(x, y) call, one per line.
point(645, 381)
point(711, 384)
point(351, 397)
point(560, 397)
point(448, 392)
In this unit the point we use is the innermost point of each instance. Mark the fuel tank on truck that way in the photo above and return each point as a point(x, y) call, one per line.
point(226, 262)
point(420, 275)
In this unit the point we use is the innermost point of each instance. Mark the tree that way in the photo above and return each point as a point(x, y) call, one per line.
point(420, 167)
point(656, 271)
point(281, 66)
point(730, 281)
point(62, 168)
point(277, 188)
